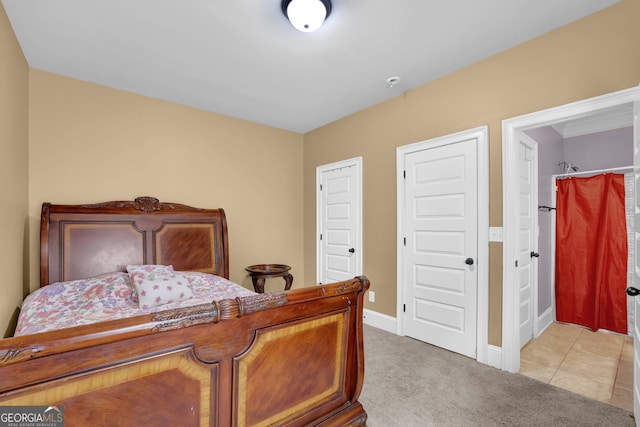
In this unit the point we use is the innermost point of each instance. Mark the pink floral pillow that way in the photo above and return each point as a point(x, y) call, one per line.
point(162, 290)
point(138, 273)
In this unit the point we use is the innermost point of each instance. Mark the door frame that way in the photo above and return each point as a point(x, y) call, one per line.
point(353, 162)
point(510, 130)
point(481, 136)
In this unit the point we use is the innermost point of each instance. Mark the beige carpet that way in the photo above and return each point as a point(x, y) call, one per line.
point(410, 383)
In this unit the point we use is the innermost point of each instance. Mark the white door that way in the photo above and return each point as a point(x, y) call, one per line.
point(339, 221)
point(528, 236)
point(440, 252)
point(636, 278)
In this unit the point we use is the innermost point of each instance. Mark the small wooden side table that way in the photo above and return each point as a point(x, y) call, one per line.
point(260, 272)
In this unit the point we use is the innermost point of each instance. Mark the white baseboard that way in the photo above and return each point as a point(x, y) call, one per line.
point(380, 321)
point(544, 321)
point(389, 324)
point(494, 356)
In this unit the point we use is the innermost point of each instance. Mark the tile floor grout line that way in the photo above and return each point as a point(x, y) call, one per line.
point(615, 379)
point(565, 356)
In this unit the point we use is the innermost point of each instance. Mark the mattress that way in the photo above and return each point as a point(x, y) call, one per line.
point(109, 297)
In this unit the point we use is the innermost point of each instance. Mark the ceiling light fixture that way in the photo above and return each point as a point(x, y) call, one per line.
point(306, 15)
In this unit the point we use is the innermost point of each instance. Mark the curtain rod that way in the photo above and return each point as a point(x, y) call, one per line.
point(570, 174)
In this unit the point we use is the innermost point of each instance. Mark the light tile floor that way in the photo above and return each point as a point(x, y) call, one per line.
point(598, 365)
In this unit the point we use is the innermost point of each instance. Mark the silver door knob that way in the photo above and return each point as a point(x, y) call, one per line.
point(468, 261)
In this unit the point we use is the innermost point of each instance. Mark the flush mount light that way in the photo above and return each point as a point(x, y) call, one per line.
point(306, 15)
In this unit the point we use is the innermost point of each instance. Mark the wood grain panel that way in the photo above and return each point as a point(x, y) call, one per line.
point(97, 248)
point(170, 389)
point(290, 369)
point(106, 237)
point(175, 245)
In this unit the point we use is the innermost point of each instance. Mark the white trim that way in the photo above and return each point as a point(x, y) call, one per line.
point(552, 270)
point(495, 234)
point(357, 163)
point(545, 320)
point(510, 129)
point(494, 356)
point(481, 135)
point(379, 320)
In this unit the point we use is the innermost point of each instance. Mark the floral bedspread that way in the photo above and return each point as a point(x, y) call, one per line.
point(108, 297)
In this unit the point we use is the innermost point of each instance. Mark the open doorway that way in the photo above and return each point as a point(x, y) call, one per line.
point(578, 149)
point(598, 365)
point(513, 129)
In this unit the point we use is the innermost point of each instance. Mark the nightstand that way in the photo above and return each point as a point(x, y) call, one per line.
point(260, 272)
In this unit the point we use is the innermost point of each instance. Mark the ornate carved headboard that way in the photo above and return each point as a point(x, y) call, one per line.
point(80, 241)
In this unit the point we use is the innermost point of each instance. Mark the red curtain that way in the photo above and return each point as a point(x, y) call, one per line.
point(591, 252)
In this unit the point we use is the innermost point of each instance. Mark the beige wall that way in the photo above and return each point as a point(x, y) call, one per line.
point(14, 146)
point(593, 56)
point(91, 143)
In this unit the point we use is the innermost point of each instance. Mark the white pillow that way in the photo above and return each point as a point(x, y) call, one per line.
point(162, 290)
point(138, 273)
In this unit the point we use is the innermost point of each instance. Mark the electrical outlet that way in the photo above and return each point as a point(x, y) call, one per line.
point(372, 296)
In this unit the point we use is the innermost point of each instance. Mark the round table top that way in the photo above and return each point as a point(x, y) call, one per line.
point(268, 268)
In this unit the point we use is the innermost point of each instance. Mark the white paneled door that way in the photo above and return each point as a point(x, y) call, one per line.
point(440, 252)
point(636, 276)
point(528, 238)
point(339, 222)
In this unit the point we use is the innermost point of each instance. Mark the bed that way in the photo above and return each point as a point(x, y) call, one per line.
point(286, 358)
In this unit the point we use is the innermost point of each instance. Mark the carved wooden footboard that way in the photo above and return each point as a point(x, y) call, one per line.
point(288, 359)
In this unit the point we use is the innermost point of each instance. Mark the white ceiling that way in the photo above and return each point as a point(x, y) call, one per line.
point(243, 59)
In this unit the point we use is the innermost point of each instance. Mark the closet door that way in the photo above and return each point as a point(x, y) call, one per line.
point(441, 218)
point(339, 220)
point(636, 331)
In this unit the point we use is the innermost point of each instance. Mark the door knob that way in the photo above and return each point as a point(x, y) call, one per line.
point(468, 261)
point(352, 250)
point(534, 254)
point(633, 291)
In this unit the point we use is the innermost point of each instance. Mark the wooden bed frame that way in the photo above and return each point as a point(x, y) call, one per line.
point(288, 358)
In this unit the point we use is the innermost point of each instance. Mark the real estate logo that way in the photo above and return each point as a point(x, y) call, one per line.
point(31, 416)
